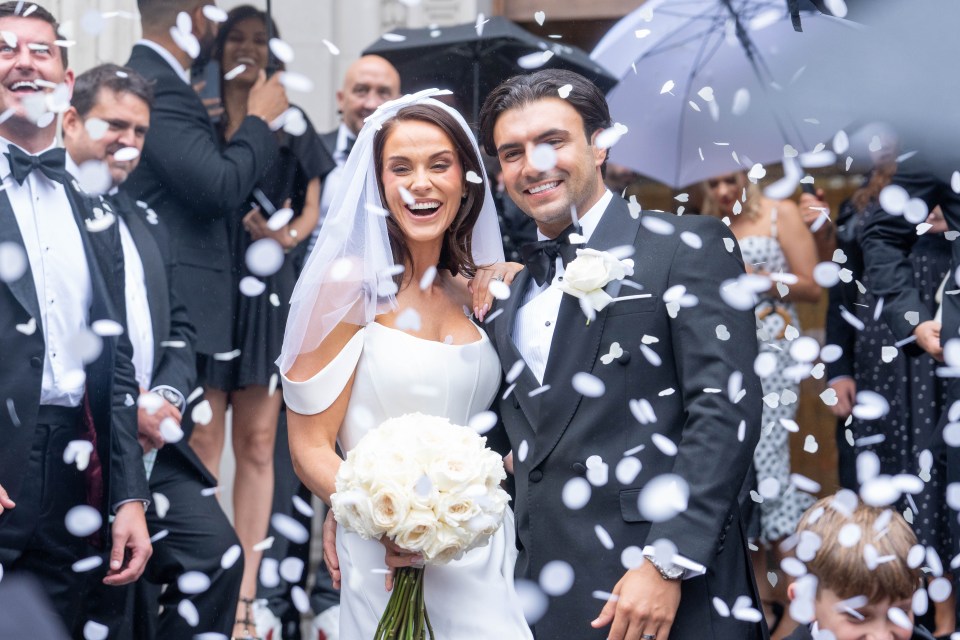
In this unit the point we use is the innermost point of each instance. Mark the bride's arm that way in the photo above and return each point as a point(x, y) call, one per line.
point(313, 437)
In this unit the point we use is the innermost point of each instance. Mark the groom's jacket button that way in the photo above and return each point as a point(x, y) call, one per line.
point(36, 362)
point(536, 475)
point(580, 468)
point(624, 357)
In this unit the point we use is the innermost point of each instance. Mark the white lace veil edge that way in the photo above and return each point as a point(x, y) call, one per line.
point(348, 278)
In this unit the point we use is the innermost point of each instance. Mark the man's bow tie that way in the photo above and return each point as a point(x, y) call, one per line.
point(541, 257)
point(51, 163)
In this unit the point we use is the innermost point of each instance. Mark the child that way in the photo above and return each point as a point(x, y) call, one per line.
point(858, 584)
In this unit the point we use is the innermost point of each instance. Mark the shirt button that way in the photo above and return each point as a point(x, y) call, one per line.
point(547, 323)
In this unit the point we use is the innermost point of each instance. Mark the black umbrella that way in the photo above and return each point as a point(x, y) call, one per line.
point(472, 59)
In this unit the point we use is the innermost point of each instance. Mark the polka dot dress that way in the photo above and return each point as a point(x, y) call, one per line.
point(782, 504)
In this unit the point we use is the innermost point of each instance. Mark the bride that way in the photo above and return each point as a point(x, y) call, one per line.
point(378, 329)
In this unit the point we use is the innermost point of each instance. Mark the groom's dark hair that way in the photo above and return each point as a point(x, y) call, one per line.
point(518, 91)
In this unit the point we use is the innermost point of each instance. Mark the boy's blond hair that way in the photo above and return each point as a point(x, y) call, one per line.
point(852, 570)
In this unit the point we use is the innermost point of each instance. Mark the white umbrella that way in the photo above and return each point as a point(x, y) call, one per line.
point(707, 86)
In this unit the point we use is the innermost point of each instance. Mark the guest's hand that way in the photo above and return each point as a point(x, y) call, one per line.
point(813, 208)
point(148, 424)
point(330, 548)
point(643, 604)
point(480, 285)
point(268, 98)
point(846, 390)
point(928, 338)
point(131, 545)
point(397, 557)
point(5, 501)
point(213, 105)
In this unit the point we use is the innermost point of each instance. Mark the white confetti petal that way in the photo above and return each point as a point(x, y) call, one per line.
point(576, 493)
point(93, 630)
point(188, 611)
point(170, 430)
point(289, 528)
point(556, 578)
point(291, 569)
point(588, 385)
point(483, 421)
point(83, 520)
point(543, 157)
point(80, 566)
point(663, 497)
point(230, 556)
point(193, 582)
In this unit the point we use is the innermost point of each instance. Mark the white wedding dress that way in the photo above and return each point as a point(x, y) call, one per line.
point(396, 374)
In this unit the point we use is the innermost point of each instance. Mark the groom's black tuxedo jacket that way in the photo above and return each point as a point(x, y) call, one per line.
point(196, 188)
point(686, 384)
point(111, 388)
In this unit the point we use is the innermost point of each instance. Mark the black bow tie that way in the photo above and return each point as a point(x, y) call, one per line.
point(51, 163)
point(541, 257)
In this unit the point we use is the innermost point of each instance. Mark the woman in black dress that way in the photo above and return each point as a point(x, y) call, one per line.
point(903, 439)
point(268, 250)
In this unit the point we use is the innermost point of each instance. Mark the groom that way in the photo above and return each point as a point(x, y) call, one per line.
point(621, 422)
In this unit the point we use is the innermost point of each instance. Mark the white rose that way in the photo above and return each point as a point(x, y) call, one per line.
point(417, 531)
point(456, 509)
point(445, 546)
point(585, 278)
point(592, 270)
point(388, 508)
point(352, 510)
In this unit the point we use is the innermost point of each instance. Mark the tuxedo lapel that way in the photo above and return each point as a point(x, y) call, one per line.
point(102, 306)
point(576, 343)
point(507, 349)
point(23, 288)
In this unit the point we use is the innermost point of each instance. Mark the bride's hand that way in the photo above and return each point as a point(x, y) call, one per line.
point(330, 548)
point(480, 285)
point(397, 557)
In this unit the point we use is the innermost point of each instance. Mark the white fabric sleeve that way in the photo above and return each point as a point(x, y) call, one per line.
point(319, 392)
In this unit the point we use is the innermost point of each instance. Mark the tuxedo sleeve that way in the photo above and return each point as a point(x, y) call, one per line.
point(887, 242)
point(720, 433)
point(183, 151)
point(177, 367)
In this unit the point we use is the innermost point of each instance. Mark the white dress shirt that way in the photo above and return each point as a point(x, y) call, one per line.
point(537, 316)
point(166, 55)
point(58, 265)
point(332, 179)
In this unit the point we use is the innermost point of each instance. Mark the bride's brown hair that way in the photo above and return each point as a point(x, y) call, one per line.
point(456, 254)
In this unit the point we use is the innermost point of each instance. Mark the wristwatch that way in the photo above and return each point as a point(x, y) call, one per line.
point(667, 572)
point(169, 395)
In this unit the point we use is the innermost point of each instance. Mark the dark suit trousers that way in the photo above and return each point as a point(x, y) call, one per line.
point(33, 536)
point(286, 485)
point(198, 534)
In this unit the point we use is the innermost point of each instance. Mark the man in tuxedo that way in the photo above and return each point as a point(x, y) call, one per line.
point(198, 533)
point(369, 82)
point(70, 458)
point(186, 177)
point(632, 428)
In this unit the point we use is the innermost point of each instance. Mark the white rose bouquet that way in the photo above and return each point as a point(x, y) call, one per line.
point(430, 486)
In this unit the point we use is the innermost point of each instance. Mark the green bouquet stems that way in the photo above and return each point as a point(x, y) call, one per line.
point(405, 617)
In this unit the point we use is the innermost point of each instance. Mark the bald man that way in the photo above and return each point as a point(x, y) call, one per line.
point(368, 83)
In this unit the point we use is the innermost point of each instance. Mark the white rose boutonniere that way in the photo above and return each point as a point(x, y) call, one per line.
point(587, 275)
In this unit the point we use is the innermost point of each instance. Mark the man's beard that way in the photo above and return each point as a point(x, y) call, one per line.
point(207, 45)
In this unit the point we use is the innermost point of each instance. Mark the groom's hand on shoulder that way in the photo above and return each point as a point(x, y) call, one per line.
point(644, 605)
